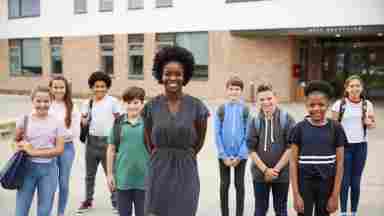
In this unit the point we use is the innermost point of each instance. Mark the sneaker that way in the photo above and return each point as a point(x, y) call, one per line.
point(115, 211)
point(85, 206)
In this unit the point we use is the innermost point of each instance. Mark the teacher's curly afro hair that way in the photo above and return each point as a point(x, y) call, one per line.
point(173, 54)
point(319, 86)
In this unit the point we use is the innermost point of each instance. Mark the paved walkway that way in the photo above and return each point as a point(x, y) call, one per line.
point(372, 204)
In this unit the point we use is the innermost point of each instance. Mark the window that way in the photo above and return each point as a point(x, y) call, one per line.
point(56, 55)
point(165, 39)
point(136, 56)
point(196, 42)
point(106, 45)
point(80, 6)
point(25, 57)
point(106, 5)
point(23, 8)
point(233, 1)
point(163, 3)
point(135, 4)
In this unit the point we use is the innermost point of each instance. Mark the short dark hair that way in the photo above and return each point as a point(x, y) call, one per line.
point(173, 54)
point(235, 81)
point(133, 93)
point(99, 76)
point(264, 87)
point(319, 86)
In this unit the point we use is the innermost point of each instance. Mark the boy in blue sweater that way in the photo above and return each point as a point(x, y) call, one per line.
point(231, 121)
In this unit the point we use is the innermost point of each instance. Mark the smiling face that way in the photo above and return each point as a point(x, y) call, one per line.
point(354, 88)
point(317, 106)
point(100, 89)
point(134, 107)
point(173, 77)
point(267, 101)
point(41, 102)
point(58, 89)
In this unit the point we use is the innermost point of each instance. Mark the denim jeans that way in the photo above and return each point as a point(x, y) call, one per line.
point(40, 176)
point(355, 156)
point(64, 163)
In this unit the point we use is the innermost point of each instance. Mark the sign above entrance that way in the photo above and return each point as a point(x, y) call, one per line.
point(315, 31)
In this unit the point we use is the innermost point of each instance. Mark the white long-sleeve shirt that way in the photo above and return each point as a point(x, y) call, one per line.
point(72, 133)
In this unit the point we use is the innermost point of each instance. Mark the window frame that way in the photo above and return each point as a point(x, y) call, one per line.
point(135, 53)
point(80, 11)
point(21, 16)
point(107, 50)
point(56, 42)
point(241, 1)
point(135, 8)
point(163, 6)
point(173, 42)
point(22, 69)
point(104, 9)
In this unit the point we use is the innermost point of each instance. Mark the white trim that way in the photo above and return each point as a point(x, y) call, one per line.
point(317, 157)
point(317, 162)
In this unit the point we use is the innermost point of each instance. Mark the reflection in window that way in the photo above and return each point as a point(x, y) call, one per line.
point(136, 55)
point(106, 45)
point(25, 57)
point(56, 55)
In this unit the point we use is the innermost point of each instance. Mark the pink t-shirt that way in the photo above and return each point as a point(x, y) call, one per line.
point(42, 133)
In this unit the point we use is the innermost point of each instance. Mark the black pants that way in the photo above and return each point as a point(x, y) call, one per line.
point(315, 193)
point(95, 153)
point(280, 196)
point(127, 198)
point(225, 179)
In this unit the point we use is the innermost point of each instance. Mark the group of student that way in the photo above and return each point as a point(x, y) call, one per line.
point(149, 150)
point(321, 158)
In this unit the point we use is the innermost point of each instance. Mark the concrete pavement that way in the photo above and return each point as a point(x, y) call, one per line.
point(372, 204)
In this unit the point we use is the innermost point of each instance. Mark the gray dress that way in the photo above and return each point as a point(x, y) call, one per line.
point(172, 184)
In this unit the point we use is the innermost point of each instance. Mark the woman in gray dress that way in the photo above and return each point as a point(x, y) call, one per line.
point(175, 128)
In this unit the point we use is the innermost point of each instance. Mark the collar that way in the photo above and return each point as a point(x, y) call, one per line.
point(137, 123)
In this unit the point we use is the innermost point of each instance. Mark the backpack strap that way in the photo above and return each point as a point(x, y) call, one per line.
point(341, 109)
point(90, 111)
point(221, 112)
point(283, 119)
point(117, 131)
point(364, 114)
point(257, 122)
point(245, 115)
point(333, 131)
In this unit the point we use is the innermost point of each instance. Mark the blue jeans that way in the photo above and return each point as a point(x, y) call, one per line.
point(40, 176)
point(280, 198)
point(64, 163)
point(355, 156)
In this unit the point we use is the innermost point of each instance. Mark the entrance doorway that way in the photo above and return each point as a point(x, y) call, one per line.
point(335, 59)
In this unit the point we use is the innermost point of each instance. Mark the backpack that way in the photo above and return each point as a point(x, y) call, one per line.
point(221, 114)
point(117, 125)
point(283, 118)
point(364, 108)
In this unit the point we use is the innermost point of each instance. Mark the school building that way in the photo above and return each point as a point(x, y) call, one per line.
point(285, 43)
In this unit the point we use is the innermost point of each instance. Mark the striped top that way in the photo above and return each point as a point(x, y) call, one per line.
point(317, 147)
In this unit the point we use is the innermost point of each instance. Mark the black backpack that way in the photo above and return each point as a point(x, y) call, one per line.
point(364, 110)
point(117, 130)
